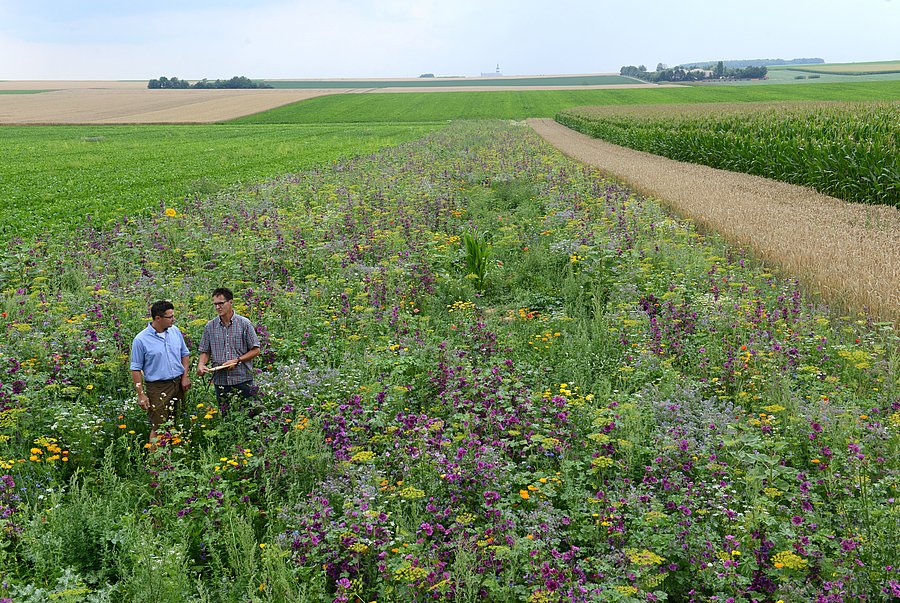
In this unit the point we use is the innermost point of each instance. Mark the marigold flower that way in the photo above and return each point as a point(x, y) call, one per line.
point(524, 494)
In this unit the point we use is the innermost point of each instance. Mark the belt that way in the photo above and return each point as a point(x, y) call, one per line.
point(172, 380)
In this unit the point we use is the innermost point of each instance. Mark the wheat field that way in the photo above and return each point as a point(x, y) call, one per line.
point(847, 252)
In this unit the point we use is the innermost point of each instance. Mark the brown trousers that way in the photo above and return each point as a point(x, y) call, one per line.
point(166, 401)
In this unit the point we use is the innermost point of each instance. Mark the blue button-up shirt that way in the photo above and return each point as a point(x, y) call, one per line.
point(159, 354)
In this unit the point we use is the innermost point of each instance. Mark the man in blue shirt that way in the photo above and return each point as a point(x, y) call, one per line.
point(160, 361)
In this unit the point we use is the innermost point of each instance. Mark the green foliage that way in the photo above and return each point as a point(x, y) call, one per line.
point(848, 151)
point(630, 409)
point(70, 176)
point(477, 253)
point(503, 104)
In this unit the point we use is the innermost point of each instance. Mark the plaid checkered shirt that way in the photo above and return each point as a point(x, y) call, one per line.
point(224, 343)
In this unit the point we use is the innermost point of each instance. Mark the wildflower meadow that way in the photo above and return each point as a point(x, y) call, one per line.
point(488, 373)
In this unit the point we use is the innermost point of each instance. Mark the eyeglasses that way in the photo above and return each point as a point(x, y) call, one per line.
point(169, 317)
point(217, 304)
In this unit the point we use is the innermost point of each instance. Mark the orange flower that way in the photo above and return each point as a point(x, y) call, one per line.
point(524, 494)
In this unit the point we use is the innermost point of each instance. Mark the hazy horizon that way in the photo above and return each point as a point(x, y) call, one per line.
point(369, 39)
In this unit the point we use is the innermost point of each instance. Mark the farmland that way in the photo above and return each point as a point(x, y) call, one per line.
point(848, 151)
point(55, 177)
point(458, 82)
point(489, 373)
point(435, 426)
point(872, 68)
point(127, 105)
point(441, 106)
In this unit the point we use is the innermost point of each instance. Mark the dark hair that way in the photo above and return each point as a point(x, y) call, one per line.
point(161, 307)
point(224, 292)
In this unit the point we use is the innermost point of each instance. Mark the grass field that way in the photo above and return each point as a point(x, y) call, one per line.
point(568, 80)
point(438, 106)
point(54, 177)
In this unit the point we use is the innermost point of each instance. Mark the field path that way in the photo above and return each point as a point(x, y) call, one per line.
point(848, 252)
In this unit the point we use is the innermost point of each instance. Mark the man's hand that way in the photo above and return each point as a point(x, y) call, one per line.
point(185, 382)
point(202, 370)
point(231, 363)
point(143, 401)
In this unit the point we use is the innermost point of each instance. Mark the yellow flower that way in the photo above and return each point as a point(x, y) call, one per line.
point(171, 212)
point(524, 494)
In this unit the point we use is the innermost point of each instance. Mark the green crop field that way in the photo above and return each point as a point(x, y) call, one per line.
point(846, 150)
point(22, 91)
point(566, 80)
point(821, 74)
point(55, 176)
point(442, 106)
point(874, 67)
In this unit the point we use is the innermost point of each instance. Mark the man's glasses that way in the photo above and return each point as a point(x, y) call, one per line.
point(217, 304)
point(169, 317)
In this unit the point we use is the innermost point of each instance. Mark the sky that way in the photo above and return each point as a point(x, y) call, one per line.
point(283, 39)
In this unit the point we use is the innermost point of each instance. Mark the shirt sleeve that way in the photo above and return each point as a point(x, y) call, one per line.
point(137, 355)
point(250, 336)
point(205, 345)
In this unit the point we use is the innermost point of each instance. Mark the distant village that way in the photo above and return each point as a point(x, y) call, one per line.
point(718, 71)
point(754, 69)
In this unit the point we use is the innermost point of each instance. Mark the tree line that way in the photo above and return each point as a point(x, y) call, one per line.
point(235, 82)
point(680, 74)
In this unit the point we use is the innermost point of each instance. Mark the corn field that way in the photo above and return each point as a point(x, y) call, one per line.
point(847, 150)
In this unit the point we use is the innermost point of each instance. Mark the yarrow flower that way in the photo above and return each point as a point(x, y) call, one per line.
point(644, 557)
point(789, 560)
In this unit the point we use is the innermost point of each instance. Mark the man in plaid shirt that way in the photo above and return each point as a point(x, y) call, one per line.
point(231, 342)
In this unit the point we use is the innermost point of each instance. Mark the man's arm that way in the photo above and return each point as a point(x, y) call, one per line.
point(249, 355)
point(138, 378)
point(201, 364)
point(185, 377)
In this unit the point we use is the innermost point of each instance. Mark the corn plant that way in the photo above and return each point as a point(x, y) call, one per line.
point(846, 150)
point(477, 248)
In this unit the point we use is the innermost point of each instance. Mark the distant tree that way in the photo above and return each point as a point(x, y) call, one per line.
point(661, 66)
point(719, 70)
point(752, 72)
point(235, 82)
point(639, 72)
point(427, 75)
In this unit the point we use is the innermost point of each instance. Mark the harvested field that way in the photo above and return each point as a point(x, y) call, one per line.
point(83, 105)
point(72, 84)
point(131, 102)
point(850, 253)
